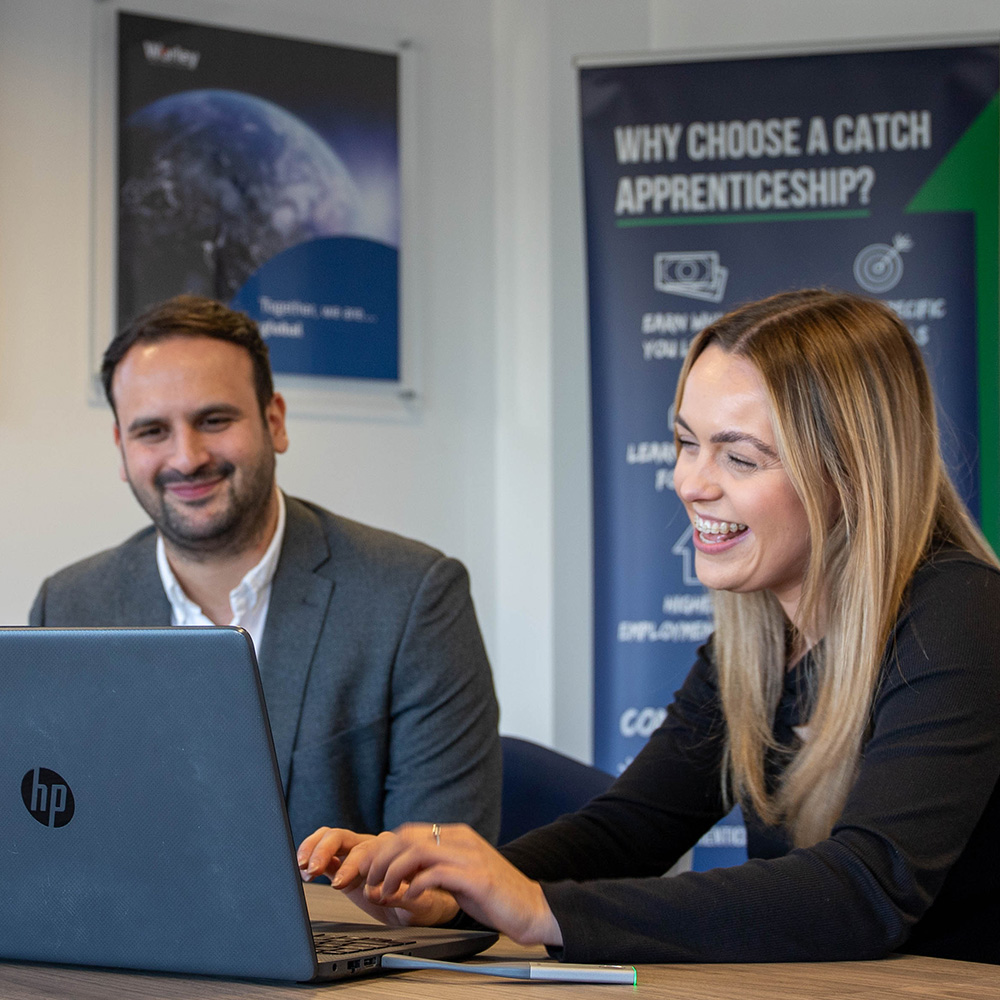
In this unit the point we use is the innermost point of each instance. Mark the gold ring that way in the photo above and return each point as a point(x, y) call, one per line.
point(436, 833)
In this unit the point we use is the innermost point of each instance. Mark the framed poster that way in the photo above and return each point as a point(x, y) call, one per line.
point(262, 170)
point(713, 180)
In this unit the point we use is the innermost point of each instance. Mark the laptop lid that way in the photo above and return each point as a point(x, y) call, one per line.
point(143, 819)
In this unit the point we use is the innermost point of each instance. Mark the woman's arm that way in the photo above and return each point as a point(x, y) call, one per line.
point(926, 787)
point(920, 813)
point(665, 800)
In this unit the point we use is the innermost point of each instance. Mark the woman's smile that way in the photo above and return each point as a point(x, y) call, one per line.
point(713, 533)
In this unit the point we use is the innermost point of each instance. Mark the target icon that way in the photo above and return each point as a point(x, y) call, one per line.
point(878, 267)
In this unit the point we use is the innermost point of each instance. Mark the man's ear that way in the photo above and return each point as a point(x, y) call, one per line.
point(117, 435)
point(274, 417)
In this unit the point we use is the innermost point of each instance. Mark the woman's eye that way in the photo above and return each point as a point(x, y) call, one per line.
point(686, 443)
point(742, 463)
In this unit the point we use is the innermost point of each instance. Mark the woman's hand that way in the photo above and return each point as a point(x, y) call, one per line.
point(323, 852)
point(420, 879)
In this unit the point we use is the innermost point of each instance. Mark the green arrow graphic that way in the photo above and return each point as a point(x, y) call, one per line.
point(968, 180)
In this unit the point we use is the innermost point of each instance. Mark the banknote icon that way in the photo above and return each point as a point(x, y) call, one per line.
point(694, 274)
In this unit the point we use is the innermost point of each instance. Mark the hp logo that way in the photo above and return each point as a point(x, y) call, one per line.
point(47, 797)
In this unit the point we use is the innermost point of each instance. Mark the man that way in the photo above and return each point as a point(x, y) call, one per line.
point(376, 679)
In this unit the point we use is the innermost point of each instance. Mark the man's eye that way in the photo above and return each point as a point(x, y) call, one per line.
point(149, 433)
point(216, 423)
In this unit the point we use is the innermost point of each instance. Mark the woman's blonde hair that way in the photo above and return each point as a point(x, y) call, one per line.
point(855, 427)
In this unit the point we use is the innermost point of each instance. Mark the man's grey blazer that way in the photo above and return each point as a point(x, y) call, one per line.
point(377, 684)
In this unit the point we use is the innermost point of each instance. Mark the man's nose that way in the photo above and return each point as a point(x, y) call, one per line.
point(190, 453)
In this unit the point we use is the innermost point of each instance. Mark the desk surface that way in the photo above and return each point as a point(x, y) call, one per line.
point(905, 977)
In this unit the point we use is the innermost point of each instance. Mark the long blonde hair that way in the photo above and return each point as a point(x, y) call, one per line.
point(854, 421)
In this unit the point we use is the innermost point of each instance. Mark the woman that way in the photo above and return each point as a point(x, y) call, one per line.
point(849, 697)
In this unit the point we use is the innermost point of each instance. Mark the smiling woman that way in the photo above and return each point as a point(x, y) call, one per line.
point(835, 390)
point(849, 697)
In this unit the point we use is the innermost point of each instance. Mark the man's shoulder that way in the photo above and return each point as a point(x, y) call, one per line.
point(351, 543)
point(109, 562)
point(84, 592)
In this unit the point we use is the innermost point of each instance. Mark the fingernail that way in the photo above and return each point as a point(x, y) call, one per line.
point(336, 881)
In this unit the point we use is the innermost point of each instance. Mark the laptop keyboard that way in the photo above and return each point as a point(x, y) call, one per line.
point(333, 944)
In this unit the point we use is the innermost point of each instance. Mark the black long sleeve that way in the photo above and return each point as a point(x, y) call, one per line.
point(909, 865)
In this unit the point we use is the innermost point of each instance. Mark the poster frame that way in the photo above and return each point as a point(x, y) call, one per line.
point(396, 400)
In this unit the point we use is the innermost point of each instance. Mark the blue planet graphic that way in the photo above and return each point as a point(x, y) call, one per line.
point(214, 183)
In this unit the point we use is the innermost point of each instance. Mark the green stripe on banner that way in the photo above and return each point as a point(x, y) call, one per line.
point(968, 180)
point(710, 220)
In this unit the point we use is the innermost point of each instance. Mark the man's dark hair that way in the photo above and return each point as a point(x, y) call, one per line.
point(192, 316)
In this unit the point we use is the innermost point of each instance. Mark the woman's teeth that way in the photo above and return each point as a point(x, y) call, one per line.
point(717, 528)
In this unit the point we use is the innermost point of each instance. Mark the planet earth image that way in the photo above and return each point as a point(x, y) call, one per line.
point(213, 184)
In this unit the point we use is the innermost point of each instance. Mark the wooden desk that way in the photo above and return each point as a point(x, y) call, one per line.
point(901, 978)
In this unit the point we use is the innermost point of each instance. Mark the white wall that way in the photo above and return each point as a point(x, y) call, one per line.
point(496, 468)
point(731, 23)
point(544, 652)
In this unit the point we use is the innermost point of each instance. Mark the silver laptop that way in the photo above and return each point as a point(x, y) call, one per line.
point(143, 823)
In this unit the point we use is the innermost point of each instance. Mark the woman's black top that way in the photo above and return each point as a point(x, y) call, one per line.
point(913, 863)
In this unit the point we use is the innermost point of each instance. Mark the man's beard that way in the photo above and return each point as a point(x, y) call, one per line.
point(233, 529)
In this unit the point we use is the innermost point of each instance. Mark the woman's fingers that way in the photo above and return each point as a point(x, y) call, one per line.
point(434, 906)
point(489, 888)
point(324, 851)
point(400, 849)
point(353, 870)
point(357, 864)
point(412, 866)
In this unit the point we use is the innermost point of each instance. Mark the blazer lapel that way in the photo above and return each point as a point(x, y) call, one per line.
point(299, 600)
point(138, 591)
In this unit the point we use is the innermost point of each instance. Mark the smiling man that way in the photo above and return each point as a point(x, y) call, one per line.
point(378, 687)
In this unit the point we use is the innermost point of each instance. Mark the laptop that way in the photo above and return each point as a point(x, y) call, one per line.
point(143, 823)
